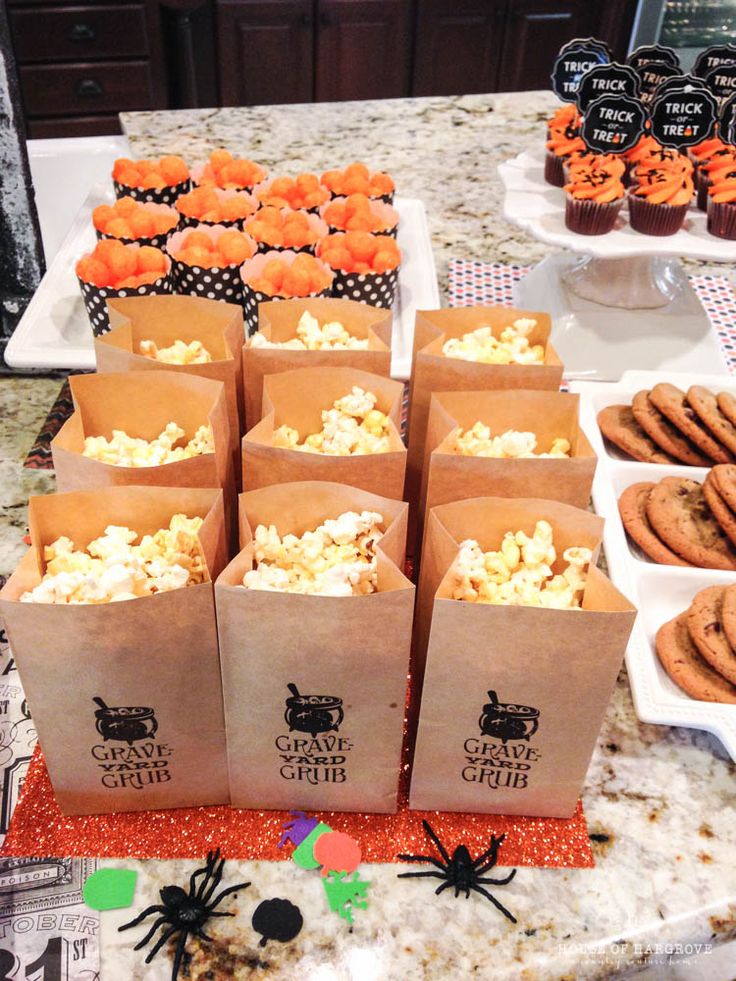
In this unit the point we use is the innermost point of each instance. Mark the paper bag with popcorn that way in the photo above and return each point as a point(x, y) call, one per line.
point(481, 442)
point(313, 333)
point(513, 694)
point(115, 639)
point(315, 680)
point(516, 341)
point(337, 424)
point(211, 334)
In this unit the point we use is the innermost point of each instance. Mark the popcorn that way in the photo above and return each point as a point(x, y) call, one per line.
point(179, 353)
point(478, 441)
point(336, 559)
point(351, 427)
point(128, 451)
point(310, 336)
point(113, 568)
point(512, 347)
point(520, 572)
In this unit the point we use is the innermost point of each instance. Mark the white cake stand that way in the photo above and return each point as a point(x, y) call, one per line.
point(618, 301)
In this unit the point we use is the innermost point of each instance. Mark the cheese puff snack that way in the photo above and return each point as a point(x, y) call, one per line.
point(520, 572)
point(512, 347)
point(197, 248)
point(336, 559)
point(284, 229)
point(358, 213)
point(352, 427)
point(296, 193)
point(119, 266)
point(178, 353)
point(357, 179)
point(478, 441)
point(213, 206)
point(224, 170)
point(129, 219)
point(302, 277)
point(150, 174)
point(113, 568)
point(310, 336)
point(360, 252)
point(128, 451)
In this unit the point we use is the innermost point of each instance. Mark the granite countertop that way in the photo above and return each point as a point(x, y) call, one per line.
point(658, 800)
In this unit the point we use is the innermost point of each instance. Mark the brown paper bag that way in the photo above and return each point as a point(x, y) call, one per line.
point(278, 322)
point(513, 697)
point(281, 650)
point(126, 696)
point(163, 319)
point(431, 371)
point(297, 398)
point(142, 405)
point(448, 476)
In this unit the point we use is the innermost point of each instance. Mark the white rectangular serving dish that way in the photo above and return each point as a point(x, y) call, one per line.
point(54, 332)
point(659, 592)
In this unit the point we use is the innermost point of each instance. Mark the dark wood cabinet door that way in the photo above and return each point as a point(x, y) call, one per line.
point(265, 51)
point(458, 46)
point(363, 49)
point(535, 32)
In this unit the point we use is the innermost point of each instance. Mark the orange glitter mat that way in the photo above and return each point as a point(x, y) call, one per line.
point(39, 829)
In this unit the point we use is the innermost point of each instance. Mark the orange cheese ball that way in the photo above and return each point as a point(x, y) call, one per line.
point(223, 170)
point(164, 172)
point(354, 214)
point(357, 179)
point(288, 229)
point(117, 266)
point(204, 204)
point(296, 193)
point(304, 276)
point(232, 248)
point(360, 252)
point(132, 219)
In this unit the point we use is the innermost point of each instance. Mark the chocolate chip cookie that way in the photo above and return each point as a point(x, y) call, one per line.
point(728, 615)
point(664, 434)
point(617, 423)
point(682, 662)
point(724, 478)
point(705, 405)
point(721, 511)
point(704, 622)
point(727, 404)
point(672, 403)
point(632, 506)
point(680, 516)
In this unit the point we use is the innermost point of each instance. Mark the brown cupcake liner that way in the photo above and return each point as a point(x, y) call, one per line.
point(655, 219)
point(591, 217)
point(554, 169)
point(722, 218)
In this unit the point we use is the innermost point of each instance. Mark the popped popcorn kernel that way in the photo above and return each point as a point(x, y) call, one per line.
point(129, 451)
point(520, 572)
point(178, 353)
point(112, 568)
point(311, 336)
point(352, 427)
point(512, 347)
point(477, 441)
point(336, 559)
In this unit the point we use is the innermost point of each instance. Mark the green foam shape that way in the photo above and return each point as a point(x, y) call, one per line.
point(303, 854)
point(110, 889)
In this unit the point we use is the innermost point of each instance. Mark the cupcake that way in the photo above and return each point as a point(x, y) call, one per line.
point(560, 146)
point(723, 159)
point(594, 198)
point(587, 160)
point(159, 180)
point(722, 204)
point(642, 150)
point(660, 196)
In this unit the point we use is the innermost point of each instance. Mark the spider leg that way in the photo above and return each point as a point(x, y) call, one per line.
point(199, 932)
point(495, 902)
point(161, 941)
point(216, 878)
point(440, 847)
point(499, 882)
point(445, 885)
point(422, 858)
point(159, 922)
point(142, 916)
point(490, 853)
point(218, 913)
point(227, 892)
point(178, 955)
point(419, 875)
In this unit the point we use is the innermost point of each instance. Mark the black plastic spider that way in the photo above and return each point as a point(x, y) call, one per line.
point(186, 912)
point(461, 871)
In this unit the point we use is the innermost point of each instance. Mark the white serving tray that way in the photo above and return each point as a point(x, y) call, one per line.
point(659, 592)
point(539, 208)
point(54, 332)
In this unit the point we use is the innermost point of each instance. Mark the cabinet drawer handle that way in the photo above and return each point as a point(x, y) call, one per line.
point(88, 88)
point(81, 32)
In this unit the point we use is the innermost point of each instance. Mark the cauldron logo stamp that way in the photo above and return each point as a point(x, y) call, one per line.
point(128, 723)
point(507, 721)
point(314, 714)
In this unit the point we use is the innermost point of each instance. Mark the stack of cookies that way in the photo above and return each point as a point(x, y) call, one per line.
point(698, 648)
point(667, 425)
point(681, 522)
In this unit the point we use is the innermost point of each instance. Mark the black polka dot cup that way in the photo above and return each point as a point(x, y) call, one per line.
point(209, 282)
point(252, 271)
point(96, 297)
point(153, 195)
point(159, 240)
point(245, 198)
point(388, 216)
point(375, 289)
point(317, 227)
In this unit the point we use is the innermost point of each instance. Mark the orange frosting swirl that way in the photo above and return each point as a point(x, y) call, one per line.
point(663, 159)
point(722, 160)
point(564, 116)
point(563, 142)
point(598, 161)
point(664, 185)
point(723, 187)
point(595, 184)
point(646, 146)
point(706, 149)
